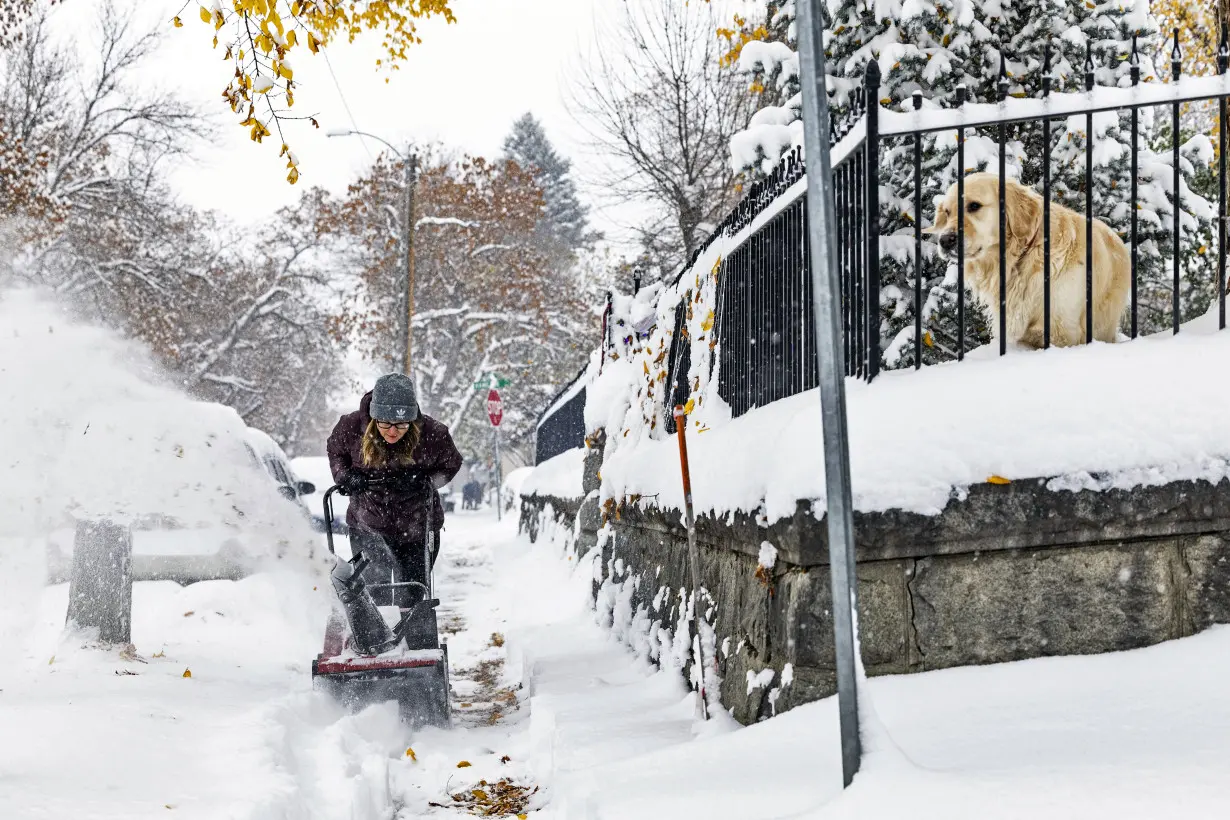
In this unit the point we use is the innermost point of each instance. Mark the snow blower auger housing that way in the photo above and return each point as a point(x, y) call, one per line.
point(365, 660)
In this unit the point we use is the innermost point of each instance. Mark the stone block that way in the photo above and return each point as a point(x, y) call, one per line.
point(589, 515)
point(1006, 606)
point(1207, 560)
point(805, 621)
point(591, 471)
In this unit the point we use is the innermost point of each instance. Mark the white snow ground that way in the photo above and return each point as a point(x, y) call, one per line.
point(599, 732)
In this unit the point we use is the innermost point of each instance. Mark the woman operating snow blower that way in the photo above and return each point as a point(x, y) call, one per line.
point(390, 459)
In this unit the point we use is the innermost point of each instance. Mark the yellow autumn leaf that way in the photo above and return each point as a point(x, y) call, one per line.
point(928, 340)
point(53, 660)
point(205, 15)
point(522, 816)
point(997, 479)
point(465, 764)
point(479, 794)
point(178, 22)
point(707, 324)
point(313, 43)
point(293, 176)
point(219, 20)
point(291, 39)
point(187, 673)
point(690, 406)
point(410, 754)
point(161, 653)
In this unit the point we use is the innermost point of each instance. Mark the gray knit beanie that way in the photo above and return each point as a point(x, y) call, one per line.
point(394, 399)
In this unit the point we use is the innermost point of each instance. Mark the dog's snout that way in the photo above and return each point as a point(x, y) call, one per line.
point(948, 241)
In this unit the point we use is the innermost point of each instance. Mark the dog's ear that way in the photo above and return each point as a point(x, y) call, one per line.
point(1024, 216)
point(941, 218)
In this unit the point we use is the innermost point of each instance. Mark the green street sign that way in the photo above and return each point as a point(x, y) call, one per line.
point(493, 382)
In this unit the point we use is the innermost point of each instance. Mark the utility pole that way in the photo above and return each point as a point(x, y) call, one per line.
point(407, 314)
point(406, 281)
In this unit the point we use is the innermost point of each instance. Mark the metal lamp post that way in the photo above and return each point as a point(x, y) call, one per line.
point(406, 321)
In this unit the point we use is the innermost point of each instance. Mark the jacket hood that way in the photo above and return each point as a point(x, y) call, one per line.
point(365, 408)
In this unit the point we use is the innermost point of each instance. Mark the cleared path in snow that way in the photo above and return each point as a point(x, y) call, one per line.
point(541, 694)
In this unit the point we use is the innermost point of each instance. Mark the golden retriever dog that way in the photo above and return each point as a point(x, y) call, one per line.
point(1112, 264)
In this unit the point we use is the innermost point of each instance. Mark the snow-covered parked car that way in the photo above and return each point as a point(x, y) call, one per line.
point(206, 497)
point(269, 456)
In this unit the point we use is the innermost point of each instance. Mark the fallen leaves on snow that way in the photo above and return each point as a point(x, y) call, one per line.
point(410, 754)
point(129, 653)
point(499, 799)
point(465, 764)
point(187, 673)
point(998, 479)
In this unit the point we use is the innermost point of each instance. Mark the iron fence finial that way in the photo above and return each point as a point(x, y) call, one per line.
point(1088, 66)
point(1046, 70)
point(1176, 58)
point(1134, 63)
point(1223, 52)
point(871, 74)
point(1003, 77)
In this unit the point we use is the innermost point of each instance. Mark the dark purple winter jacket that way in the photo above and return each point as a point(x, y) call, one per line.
point(387, 512)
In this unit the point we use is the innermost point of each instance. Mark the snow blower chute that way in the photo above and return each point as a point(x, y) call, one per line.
point(366, 660)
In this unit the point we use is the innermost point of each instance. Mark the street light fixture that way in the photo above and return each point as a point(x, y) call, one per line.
point(410, 162)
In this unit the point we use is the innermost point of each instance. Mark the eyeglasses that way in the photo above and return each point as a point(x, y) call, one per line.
point(399, 426)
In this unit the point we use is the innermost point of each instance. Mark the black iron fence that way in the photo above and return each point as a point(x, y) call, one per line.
point(764, 311)
point(561, 427)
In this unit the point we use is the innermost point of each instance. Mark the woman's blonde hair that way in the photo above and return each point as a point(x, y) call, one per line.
point(379, 453)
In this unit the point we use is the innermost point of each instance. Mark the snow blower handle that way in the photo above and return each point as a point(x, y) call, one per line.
point(328, 511)
point(327, 503)
point(429, 538)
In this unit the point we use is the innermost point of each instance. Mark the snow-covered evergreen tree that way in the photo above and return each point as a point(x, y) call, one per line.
point(565, 219)
point(933, 46)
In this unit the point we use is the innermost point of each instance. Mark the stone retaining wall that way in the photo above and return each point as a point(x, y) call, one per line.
point(1004, 573)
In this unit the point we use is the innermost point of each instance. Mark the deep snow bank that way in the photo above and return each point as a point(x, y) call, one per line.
point(88, 428)
point(1144, 413)
point(559, 476)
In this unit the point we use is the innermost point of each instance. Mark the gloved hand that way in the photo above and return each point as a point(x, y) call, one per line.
point(352, 482)
point(411, 482)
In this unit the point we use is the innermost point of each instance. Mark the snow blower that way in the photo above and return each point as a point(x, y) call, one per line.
point(365, 659)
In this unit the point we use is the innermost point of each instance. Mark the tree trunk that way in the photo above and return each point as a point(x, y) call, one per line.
point(100, 591)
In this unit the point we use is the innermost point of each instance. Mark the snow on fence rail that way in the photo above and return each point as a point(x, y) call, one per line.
point(739, 315)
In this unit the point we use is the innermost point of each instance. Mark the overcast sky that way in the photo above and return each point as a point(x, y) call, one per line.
point(464, 85)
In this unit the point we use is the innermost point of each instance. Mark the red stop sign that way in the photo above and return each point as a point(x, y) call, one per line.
point(495, 407)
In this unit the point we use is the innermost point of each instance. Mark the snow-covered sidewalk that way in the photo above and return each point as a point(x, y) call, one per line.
point(556, 715)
